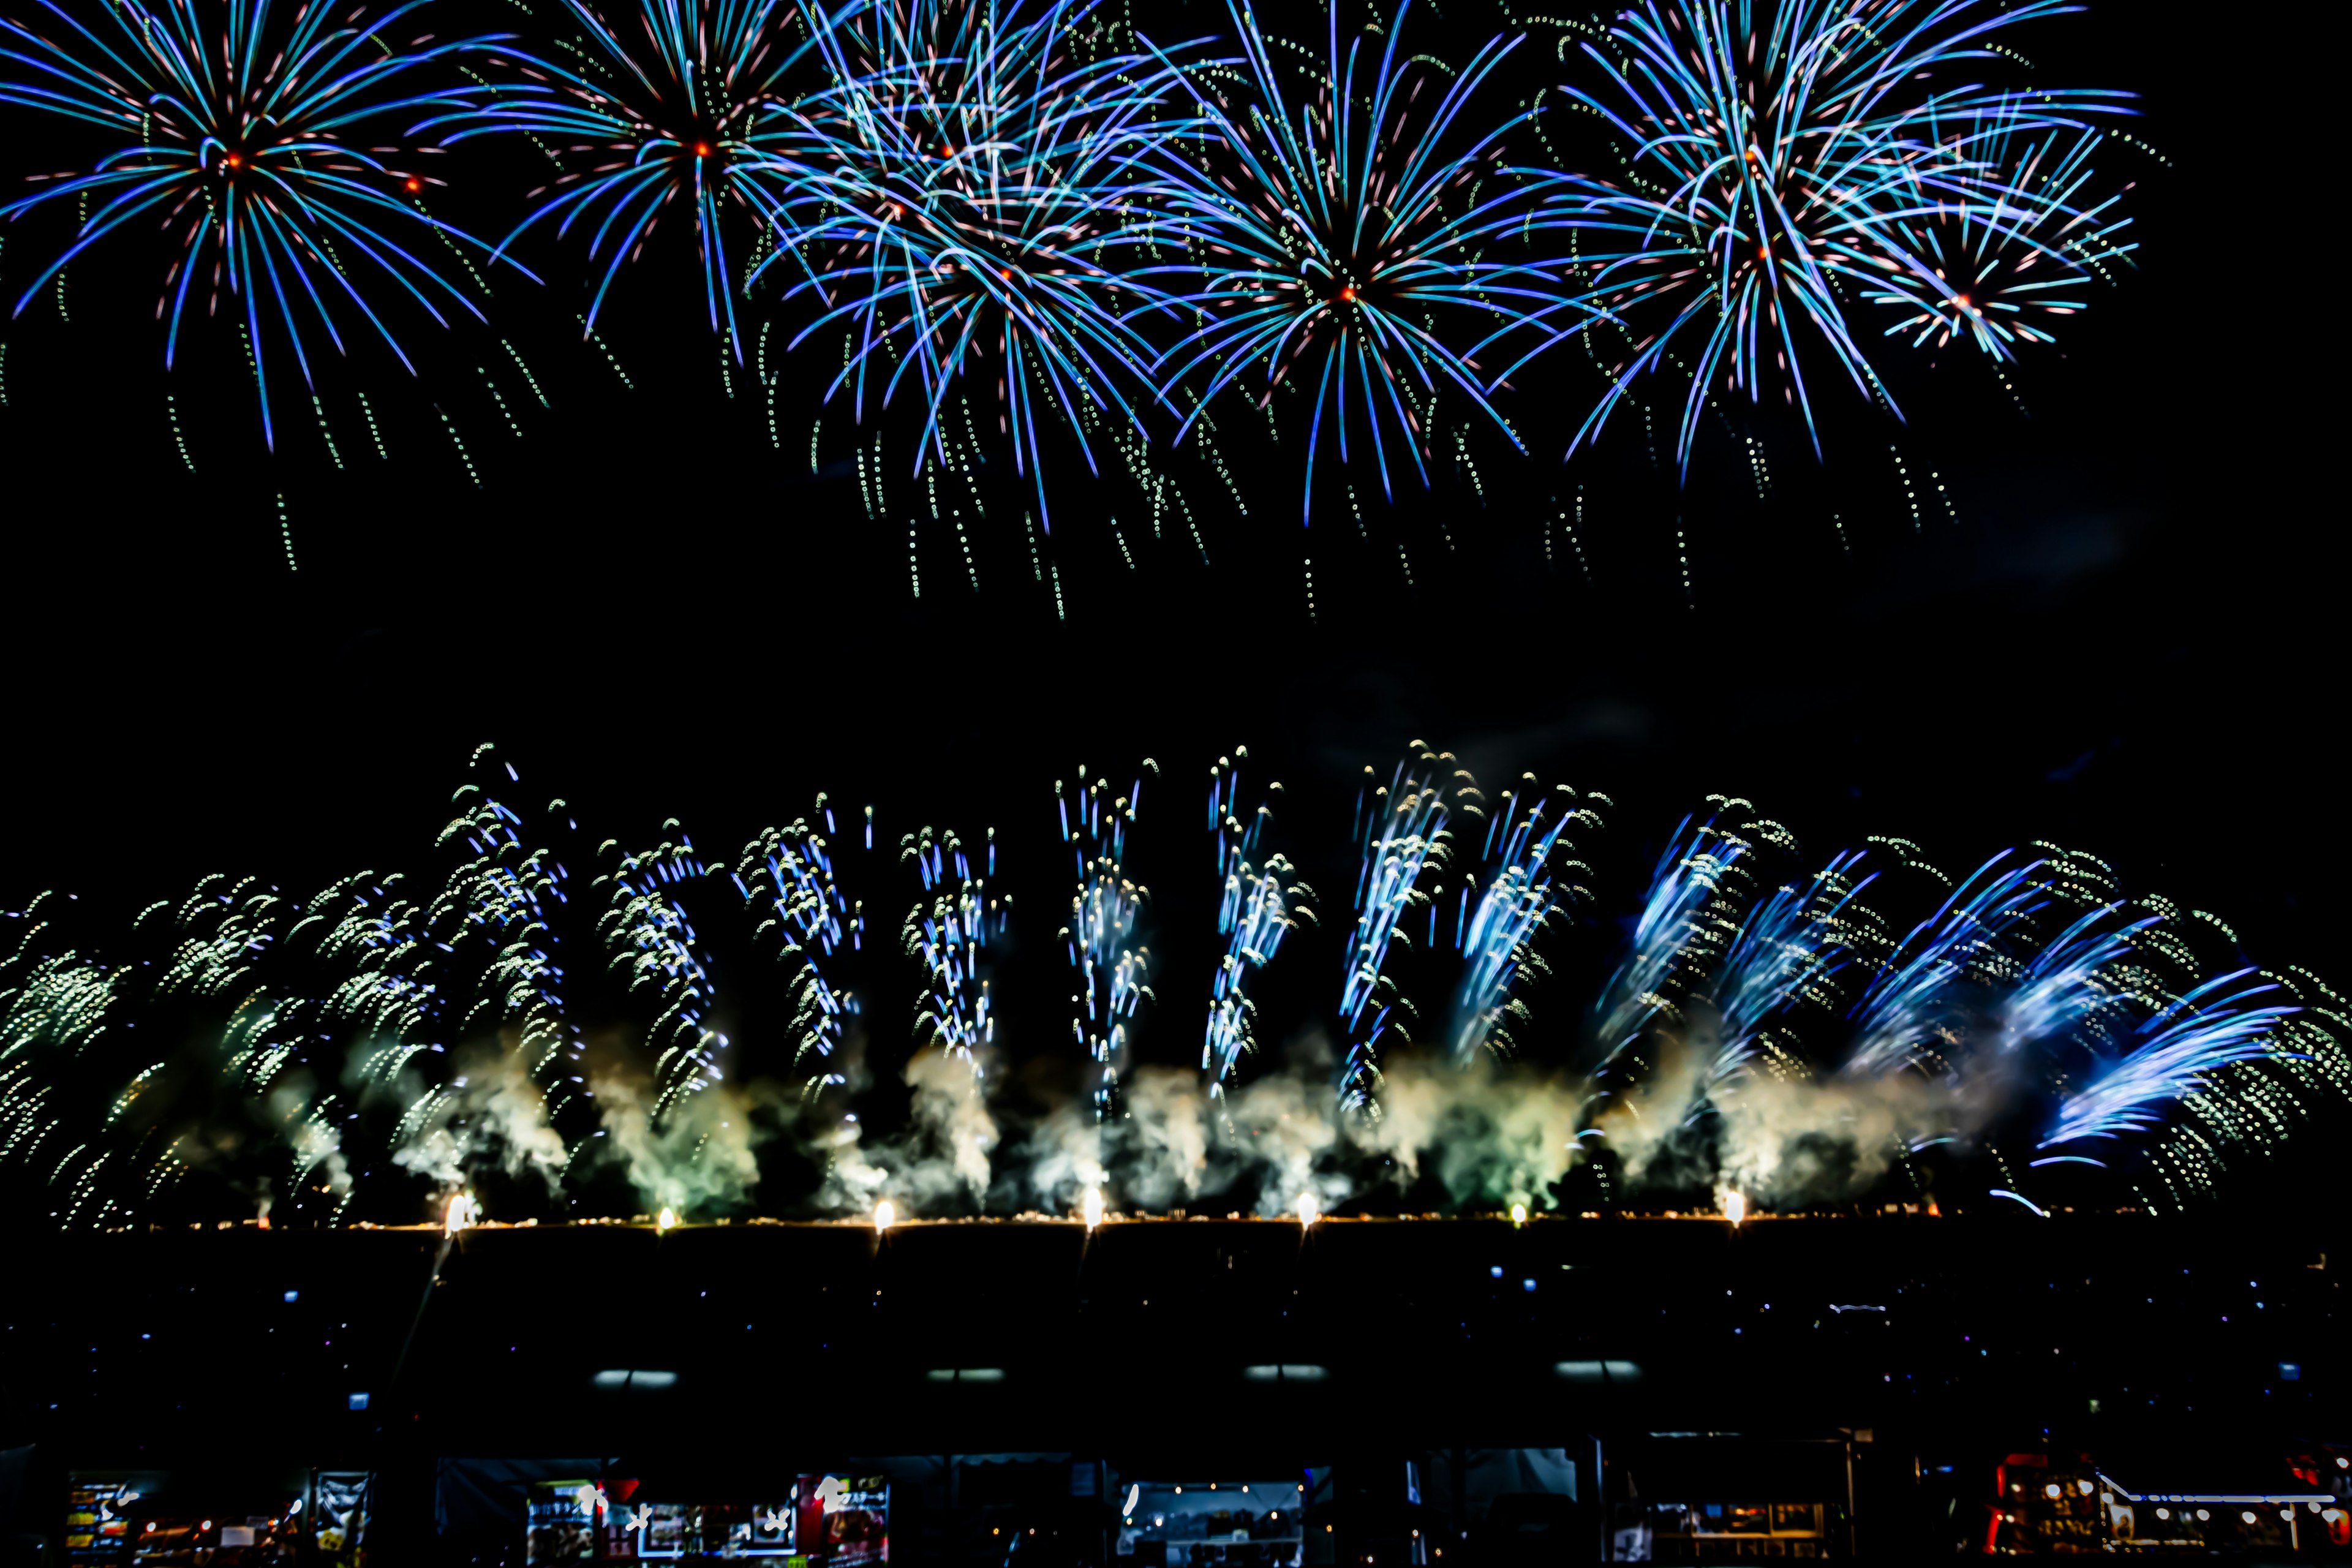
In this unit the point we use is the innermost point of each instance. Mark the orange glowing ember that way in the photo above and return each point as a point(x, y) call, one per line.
point(702, 149)
point(1348, 295)
point(415, 184)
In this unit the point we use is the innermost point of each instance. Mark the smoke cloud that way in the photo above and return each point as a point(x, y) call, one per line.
point(1493, 1133)
point(702, 1152)
point(491, 1109)
point(944, 1156)
point(1785, 1138)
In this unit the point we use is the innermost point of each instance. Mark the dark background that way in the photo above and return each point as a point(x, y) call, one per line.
point(2115, 638)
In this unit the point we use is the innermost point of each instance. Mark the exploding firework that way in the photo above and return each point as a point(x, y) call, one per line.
point(1330, 237)
point(1779, 162)
point(2012, 276)
point(274, 144)
point(676, 109)
point(976, 192)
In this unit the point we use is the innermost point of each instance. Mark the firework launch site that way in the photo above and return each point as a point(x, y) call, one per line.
point(1882, 1387)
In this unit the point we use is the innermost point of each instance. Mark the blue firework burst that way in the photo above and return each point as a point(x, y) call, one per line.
point(255, 133)
point(976, 191)
point(679, 109)
point(1781, 162)
point(1331, 235)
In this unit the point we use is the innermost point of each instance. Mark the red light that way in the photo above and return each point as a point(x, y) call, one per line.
point(235, 161)
point(415, 184)
point(1348, 295)
point(702, 149)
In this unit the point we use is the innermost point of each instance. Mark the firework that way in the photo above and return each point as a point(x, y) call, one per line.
point(273, 144)
point(788, 872)
point(1908, 1002)
point(948, 935)
point(1330, 236)
point(1788, 951)
point(1778, 159)
point(679, 107)
point(1673, 930)
point(1401, 833)
point(1262, 903)
point(2171, 1056)
point(2010, 275)
point(975, 192)
point(1112, 967)
point(503, 1036)
point(1496, 925)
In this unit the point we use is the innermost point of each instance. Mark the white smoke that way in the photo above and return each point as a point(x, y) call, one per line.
point(701, 1153)
point(1647, 1127)
point(944, 1156)
point(1286, 1129)
point(1784, 1139)
point(1167, 1138)
point(1493, 1133)
point(952, 1119)
point(490, 1110)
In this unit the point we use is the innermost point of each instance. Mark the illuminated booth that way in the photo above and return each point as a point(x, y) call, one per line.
point(156, 1519)
point(838, 1522)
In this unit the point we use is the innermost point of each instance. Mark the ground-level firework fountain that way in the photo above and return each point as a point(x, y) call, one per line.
point(557, 1026)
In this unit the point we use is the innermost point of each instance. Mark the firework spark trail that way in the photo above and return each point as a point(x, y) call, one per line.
point(1789, 948)
point(787, 874)
point(1235, 839)
point(1497, 940)
point(968, 189)
point(261, 146)
point(948, 935)
point(1771, 165)
point(1112, 968)
point(487, 936)
point(1322, 237)
point(1402, 833)
point(1673, 928)
point(682, 103)
point(1908, 1000)
point(2066, 984)
point(283, 1051)
point(649, 939)
point(1261, 903)
point(2171, 1056)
